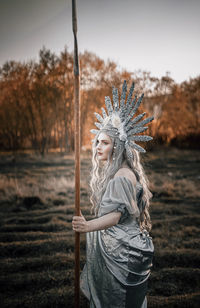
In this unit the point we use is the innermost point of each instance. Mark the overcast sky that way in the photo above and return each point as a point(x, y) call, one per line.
point(153, 35)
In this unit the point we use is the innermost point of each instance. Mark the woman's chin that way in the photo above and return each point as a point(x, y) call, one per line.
point(101, 158)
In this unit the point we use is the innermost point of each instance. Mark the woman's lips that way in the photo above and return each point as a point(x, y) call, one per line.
point(99, 153)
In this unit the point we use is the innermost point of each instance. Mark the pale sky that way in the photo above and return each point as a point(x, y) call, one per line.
point(152, 35)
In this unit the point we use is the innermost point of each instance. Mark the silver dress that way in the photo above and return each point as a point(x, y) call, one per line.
point(119, 258)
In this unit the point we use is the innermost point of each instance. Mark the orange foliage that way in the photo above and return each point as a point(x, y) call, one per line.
point(36, 101)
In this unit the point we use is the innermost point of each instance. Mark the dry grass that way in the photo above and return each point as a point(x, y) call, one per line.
point(37, 241)
point(169, 186)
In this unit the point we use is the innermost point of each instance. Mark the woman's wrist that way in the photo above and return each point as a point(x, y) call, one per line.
point(88, 226)
point(103, 222)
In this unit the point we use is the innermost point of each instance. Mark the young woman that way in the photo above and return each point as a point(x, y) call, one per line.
point(119, 249)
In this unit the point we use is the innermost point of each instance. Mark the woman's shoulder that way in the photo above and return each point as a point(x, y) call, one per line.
point(127, 173)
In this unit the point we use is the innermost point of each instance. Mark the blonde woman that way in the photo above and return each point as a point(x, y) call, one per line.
point(119, 250)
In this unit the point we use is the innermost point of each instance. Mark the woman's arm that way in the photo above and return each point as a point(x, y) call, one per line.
point(80, 224)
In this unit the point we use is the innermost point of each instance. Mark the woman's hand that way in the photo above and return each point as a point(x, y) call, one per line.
point(80, 224)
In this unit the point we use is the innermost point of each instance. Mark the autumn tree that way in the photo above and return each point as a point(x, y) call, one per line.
point(14, 78)
point(176, 118)
point(37, 101)
point(191, 91)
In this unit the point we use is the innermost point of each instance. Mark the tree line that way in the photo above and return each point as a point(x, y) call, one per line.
point(37, 111)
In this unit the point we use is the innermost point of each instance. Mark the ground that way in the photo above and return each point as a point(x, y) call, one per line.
point(37, 241)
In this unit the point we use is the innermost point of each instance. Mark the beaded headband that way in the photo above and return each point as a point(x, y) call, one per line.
point(119, 119)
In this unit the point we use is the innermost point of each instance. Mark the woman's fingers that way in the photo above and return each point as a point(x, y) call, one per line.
point(79, 223)
point(78, 228)
point(77, 218)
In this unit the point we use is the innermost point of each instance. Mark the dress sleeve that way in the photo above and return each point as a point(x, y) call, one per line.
point(120, 196)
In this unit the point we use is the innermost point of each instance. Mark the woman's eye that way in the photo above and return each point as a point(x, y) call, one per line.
point(105, 142)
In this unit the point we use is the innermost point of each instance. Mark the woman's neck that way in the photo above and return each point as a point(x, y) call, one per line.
point(125, 165)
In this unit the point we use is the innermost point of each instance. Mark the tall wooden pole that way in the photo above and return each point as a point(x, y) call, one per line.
point(77, 153)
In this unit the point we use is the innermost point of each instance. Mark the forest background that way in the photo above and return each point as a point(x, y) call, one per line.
point(37, 109)
point(37, 178)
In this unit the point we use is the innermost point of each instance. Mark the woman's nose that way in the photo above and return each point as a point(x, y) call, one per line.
point(98, 146)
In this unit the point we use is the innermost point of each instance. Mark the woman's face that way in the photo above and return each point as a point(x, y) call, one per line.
point(104, 146)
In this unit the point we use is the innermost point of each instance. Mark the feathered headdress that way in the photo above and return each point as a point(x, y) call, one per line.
point(119, 119)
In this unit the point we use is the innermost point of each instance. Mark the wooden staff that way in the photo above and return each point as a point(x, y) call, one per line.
point(77, 153)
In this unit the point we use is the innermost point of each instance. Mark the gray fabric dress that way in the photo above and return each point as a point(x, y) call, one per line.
point(118, 259)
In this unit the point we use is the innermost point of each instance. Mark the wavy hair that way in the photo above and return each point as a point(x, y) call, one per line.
point(101, 175)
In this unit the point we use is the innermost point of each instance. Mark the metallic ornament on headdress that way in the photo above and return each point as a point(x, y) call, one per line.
point(120, 119)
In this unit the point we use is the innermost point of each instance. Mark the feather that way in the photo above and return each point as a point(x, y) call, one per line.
point(147, 120)
point(132, 123)
point(135, 108)
point(143, 138)
point(98, 117)
point(98, 125)
point(104, 113)
point(130, 107)
point(115, 99)
point(108, 105)
point(128, 103)
point(130, 94)
point(94, 131)
point(123, 97)
point(128, 151)
point(137, 147)
point(137, 130)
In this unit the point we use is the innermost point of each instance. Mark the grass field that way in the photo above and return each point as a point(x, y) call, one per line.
point(37, 241)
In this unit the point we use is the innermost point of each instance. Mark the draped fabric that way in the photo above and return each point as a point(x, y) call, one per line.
point(119, 258)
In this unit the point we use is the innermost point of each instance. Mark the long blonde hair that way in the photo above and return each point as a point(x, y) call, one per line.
point(100, 176)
